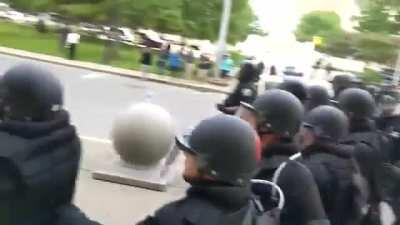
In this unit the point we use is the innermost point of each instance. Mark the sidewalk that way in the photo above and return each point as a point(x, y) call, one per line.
point(114, 204)
point(117, 71)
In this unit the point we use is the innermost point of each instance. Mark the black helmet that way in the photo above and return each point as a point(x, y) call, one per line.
point(278, 112)
point(30, 92)
point(248, 72)
point(225, 147)
point(295, 87)
point(327, 122)
point(357, 102)
point(317, 96)
point(341, 82)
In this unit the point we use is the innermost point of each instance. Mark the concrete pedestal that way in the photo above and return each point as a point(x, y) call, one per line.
point(154, 178)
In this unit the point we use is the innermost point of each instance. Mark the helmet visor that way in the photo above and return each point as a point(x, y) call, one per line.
point(182, 142)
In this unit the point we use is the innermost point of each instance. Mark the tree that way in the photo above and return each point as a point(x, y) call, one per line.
point(319, 23)
point(377, 18)
point(196, 19)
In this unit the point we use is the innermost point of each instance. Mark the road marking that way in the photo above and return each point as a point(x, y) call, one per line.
point(92, 76)
point(98, 140)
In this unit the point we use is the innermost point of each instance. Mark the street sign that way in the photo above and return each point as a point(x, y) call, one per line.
point(318, 41)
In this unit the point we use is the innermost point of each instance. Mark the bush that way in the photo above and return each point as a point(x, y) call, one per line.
point(371, 77)
point(376, 48)
point(41, 27)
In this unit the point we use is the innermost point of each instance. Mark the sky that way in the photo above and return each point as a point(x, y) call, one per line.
point(280, 17)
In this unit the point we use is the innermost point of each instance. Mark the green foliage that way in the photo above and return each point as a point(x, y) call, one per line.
point(375, 47)
point(196, 19)
point(371, 77)
point(378, 19)
point(319, 23)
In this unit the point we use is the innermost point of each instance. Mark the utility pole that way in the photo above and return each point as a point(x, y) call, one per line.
point(223, 33)
point(396, 75)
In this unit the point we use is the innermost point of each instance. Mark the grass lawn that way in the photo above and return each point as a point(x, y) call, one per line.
point(27, 38)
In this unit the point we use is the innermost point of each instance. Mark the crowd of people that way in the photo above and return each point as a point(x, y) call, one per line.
point(290, 156)
point(183, 60)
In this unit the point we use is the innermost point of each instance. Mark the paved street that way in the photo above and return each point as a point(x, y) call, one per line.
point(94, 99)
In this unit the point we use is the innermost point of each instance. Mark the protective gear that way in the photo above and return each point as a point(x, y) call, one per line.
point(303, 204)
point(39, 166)
point(206, 204)
point(373, 90)
point(30, 93)
point(388, 105)
point(278, 112)
point(244, 92)
point(144, 134)
point(332, 169)
point(248, 73)
point(357, 103)
point(327, 123)
point(223, 139)
point(295, 87)
point(317, 96)
point(341, 83)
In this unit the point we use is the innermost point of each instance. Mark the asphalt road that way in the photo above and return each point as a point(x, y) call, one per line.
point(95, 99)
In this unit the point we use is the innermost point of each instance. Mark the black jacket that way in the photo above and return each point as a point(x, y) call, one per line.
point(39, 164)
point(332, 169)
point(205, 204)
point(303, 203)
point(244, 92)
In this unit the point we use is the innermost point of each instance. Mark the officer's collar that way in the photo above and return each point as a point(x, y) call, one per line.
point(225, 196)
point(329, 148)
point(362, 125)
point(29, 129)
point(285, 148)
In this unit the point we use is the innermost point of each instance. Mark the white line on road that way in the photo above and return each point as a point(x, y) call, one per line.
point(99, 140)
point(92, 76)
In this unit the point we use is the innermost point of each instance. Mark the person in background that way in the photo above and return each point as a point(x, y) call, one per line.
point(226, 66)
point(204, 66)
point(189, 62)
point(245, 91)
point(175, 62)
point(72, 42)
point(163, 58)
point(146, 61)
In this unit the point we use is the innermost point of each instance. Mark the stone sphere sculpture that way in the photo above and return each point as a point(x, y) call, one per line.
point(143, 135)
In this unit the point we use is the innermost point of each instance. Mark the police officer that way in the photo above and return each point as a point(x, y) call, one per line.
point(295, 87)
point(276, 115)
point(370, 149)
point(331, 166)
point(40, 151)
point(317, 96)
point(220, 161)
point(341, 83)
point(245, 91)
point(389, 123)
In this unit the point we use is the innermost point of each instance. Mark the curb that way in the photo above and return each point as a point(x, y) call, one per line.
point(114, 71)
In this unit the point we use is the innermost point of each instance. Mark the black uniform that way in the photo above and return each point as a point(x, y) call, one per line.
point(244, 92)
point(390, 126)
point(332, 169)
point(40, 162)
point(369, 152)
point(205, 204)
point(303, 203)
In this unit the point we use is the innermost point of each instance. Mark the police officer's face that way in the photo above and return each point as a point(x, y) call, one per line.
point(304, 138)
point(191, 172)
